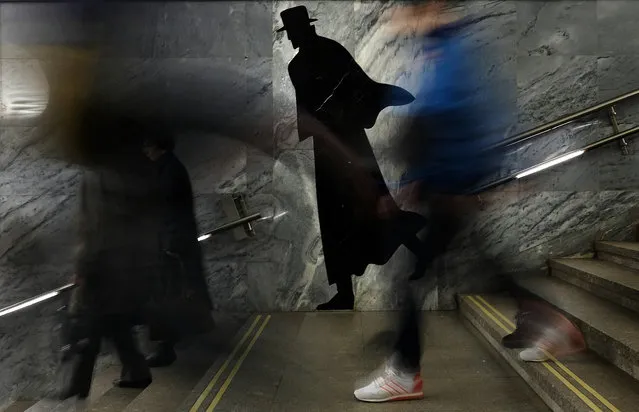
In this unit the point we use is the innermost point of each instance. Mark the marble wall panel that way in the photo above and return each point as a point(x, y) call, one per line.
point(616, 76)
point(557, 28)
point(202, 29)
point(615, 27)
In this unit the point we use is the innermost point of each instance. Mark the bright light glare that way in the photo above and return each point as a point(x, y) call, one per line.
point(203, 237)
point(280, 215)
point(28, 303)
point(550, 163)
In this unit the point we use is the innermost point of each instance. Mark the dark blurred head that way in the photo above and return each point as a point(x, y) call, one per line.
point(157, 143)
point(422, 17)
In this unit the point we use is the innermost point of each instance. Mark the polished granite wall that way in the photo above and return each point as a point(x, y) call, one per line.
point(219, 68)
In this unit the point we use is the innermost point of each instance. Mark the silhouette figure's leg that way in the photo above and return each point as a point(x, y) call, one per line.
point(344, 299)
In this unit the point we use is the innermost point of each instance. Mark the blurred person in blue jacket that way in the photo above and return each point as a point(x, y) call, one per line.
point(448, 146)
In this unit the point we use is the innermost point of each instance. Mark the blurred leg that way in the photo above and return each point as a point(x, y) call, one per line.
point(408, 345)
point(162, 332)
point(135, 371)
point(82, 374)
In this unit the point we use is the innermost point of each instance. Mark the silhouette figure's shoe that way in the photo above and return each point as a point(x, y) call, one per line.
point(131, 384)
point(341, 301)
point(164, 356)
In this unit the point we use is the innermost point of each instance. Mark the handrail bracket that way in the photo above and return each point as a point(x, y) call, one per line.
point(612, 115)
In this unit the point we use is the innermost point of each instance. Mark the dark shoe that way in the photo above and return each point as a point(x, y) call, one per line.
point(164, 356)
point(523, 336)
point(516, 340)
point(340, 301)
point(68, 393)
point(129, 384)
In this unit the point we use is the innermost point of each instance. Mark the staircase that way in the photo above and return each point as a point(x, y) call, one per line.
point(170, 387)
point(601, 296)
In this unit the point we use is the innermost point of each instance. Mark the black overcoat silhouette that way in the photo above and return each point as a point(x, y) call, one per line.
point(332, 90)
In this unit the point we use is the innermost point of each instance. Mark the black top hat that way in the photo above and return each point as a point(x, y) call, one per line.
point(295, 17)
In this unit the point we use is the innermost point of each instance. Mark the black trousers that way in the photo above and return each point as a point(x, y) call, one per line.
point(443, 227)
point(448, 215)
point(117, 328)
point(162, 330)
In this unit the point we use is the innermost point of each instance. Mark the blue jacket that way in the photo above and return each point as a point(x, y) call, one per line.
point(454, 119)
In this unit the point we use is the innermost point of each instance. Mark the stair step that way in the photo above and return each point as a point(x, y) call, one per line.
point(623, 253)
point(19, 406)
point(172, 385)
point(582, 382)
point(605, 279)
point(102, 382)
point(610, 330)
point(115, 399)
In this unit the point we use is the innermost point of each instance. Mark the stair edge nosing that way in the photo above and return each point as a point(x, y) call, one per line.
point(487, 331)
point(596, 279)
point(608, 247)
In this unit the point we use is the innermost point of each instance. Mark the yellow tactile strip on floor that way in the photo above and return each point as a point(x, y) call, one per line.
point(553, 366)
point(253, 333)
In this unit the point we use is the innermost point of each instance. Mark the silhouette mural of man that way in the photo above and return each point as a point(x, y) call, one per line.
point(336, 101)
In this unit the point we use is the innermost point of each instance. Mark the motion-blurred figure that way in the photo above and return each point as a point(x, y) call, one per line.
point(117, 251)
point(447, 148)
point(336, 101)
point(451, 145)
point(180, 282)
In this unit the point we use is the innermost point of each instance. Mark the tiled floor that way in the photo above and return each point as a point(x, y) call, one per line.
point(311, 362)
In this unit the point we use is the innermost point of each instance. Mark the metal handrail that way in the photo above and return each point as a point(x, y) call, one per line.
point(522, 137)
point(36, 299)
point(65, 288)
point(230, 225)
point(558, 159)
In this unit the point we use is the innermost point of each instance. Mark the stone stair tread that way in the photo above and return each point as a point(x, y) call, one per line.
point(102, 382)
point(114, 400)
point(171, 385)
point(620, 389)
point(608, 271)
point(629, 249)
point(19, 406)
point(610, 319)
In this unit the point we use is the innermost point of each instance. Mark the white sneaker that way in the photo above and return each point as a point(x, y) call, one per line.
point(557, 339)
point(533, 354)
point(392, 385)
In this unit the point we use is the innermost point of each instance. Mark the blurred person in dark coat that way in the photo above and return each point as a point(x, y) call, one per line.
point(117, 250)
point(180, 299)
